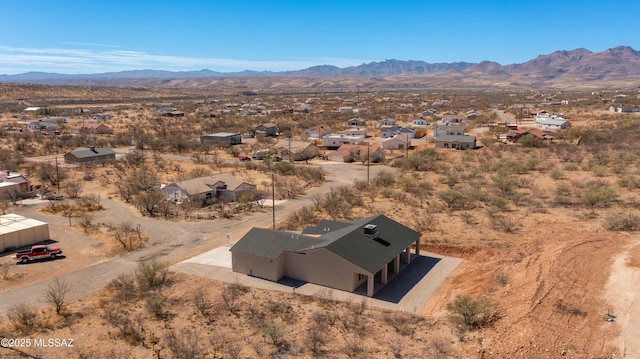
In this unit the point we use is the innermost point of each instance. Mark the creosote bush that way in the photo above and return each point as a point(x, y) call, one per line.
point(472, 313)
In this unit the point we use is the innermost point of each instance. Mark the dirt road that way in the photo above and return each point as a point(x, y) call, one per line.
point(169, 241)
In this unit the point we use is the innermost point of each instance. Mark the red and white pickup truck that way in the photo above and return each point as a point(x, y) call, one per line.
point(37, 252)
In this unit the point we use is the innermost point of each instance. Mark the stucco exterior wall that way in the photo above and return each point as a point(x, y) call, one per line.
point(323, 267)
point(258, 267)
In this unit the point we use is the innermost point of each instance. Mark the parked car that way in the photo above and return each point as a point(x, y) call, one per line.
point(244, 158)
point(37, 252)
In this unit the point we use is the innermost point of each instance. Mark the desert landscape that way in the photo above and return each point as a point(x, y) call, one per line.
point(542, 223)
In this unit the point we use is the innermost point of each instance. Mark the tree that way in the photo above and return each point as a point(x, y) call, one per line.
point(72, 188)
point(57, 292)
point(598, 193)
point(148, 202)
point(51, 173)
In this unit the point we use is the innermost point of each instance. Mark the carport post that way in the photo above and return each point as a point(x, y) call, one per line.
point(383, 277)
point(370, 285)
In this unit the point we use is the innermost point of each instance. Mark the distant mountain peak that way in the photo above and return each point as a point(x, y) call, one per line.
point(621, 64)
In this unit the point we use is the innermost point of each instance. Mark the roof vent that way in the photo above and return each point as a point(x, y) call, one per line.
point(371, 231)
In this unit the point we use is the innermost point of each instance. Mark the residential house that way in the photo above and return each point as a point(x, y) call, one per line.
point(386, 122)
point(388, 132)
point(356, 122)
point(351, 153)
point(419, 122)
point(345, 109)
point(222, 139)
point(15, 186)
point(447, 120)
point(397, 142)
point(173, 114)
point(457, 142)
point(334, 141)
point(42, 126)
point(515, 135)
point(101, 116)
point(340, 255)
point(296, 150)
point(204, 189)
point(552, 122)
point(624, 109)
point(448, 131)
point(315, 132)
point(90, 156)
point(92, 128)
point(356, 131)
point(268, 129)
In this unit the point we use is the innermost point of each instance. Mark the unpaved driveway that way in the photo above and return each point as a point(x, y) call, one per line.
point(623, 292)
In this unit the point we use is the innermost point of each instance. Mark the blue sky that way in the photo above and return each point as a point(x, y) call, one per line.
point(87, 36)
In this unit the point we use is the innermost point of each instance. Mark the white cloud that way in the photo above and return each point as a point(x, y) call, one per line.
point(15, 60)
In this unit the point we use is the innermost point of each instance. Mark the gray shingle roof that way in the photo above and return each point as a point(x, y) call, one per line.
point(346, 240)
point(91, 152)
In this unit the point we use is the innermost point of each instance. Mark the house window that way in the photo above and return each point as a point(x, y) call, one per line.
point(361, 277)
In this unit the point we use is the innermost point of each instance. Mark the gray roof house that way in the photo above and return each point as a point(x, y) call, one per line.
point(222, 139)
point(456, 142)
point(339, 255)
point(203, 189)
point(451, 130)
point(90, 156)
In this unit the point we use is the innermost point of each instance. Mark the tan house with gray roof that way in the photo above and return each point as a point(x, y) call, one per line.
point(204, 189)
point(339, 255)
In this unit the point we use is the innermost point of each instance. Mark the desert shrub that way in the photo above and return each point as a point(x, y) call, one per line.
point(185, 344)
point(529, 140)
point(151, 275)
point(57, 292)
point(598, 193)
point(404, 324)
point(625, 222)
point(570, 166)
point(472, 313)
point(384, 179)
point(124, 287)
point(155, 304)
point(556, 174)
point(599, 171)
point(629, 182)
point(23, 317)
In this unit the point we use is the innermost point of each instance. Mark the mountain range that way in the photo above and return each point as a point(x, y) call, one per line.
point(579, 68)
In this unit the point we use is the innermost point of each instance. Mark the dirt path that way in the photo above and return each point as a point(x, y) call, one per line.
point(623, 292)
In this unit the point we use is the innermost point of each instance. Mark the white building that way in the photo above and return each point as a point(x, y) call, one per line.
point(17, 231)
point(552, 122)
point(337, 140)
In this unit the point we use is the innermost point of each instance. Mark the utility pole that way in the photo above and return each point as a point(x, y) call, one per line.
point(57, 175)
point(273, 198)
point(289, 148)
point(368, 159)
point(407, 150)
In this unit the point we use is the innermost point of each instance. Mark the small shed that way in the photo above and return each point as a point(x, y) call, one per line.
point(18, 231)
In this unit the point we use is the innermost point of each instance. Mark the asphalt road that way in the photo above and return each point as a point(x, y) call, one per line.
point(173, 242)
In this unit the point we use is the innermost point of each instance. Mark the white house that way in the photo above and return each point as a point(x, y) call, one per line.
point(385, 122)
point(419, 122)
point(388, 132)
point(552, 122)
point(397, 142)
point(337, 140)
